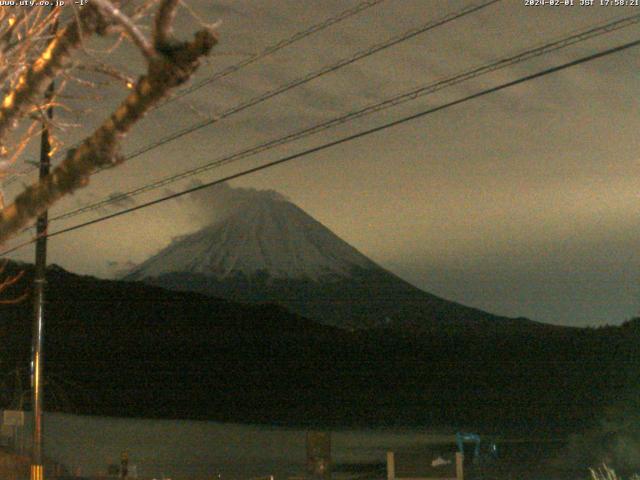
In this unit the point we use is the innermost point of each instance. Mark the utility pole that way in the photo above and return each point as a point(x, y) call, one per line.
point(37, 463)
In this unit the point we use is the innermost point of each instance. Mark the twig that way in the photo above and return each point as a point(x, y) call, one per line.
point(174, 65)
point(108, 9)
point(6, 283)
point(35, 80)
point(108, 70)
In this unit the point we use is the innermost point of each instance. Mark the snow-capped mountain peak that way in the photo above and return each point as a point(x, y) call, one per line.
point(268, 235)
point(263, 248)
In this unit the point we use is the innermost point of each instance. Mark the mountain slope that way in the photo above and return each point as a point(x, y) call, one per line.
point(127, 348)
point(269, 250)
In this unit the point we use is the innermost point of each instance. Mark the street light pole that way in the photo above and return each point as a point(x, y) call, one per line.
point(37, 463)
point(39, 282)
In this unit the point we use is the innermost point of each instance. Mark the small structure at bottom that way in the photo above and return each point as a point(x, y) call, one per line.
point(319, 455)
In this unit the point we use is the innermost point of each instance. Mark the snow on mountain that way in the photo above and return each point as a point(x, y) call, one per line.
point(260, 247)
point(266, 234)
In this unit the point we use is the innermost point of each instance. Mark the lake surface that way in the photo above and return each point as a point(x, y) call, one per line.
point(179, 449)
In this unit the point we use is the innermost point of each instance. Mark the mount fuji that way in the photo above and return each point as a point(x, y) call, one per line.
point(263, 248)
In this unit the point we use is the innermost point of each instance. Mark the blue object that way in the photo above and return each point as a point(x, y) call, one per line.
point(462, 437)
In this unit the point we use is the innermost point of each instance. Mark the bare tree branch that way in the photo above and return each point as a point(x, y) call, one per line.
point(109, 71)
point(163, 23)
point(108, 9)
point(175, 63)
point(8, 282)
point(33, 82)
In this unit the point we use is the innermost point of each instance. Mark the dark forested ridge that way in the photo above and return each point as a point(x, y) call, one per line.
point(126, 348)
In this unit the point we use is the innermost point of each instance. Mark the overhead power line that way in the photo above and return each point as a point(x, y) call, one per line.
point(564, 42)
point(409, 34)
point(269, 50)
point(278, 46)
point(340, 141)
point(367, 52)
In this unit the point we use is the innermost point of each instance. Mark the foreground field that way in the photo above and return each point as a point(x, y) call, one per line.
point(181, 450)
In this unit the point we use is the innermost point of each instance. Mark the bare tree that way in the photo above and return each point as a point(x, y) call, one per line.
point(31, 58)
point(7, 282)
